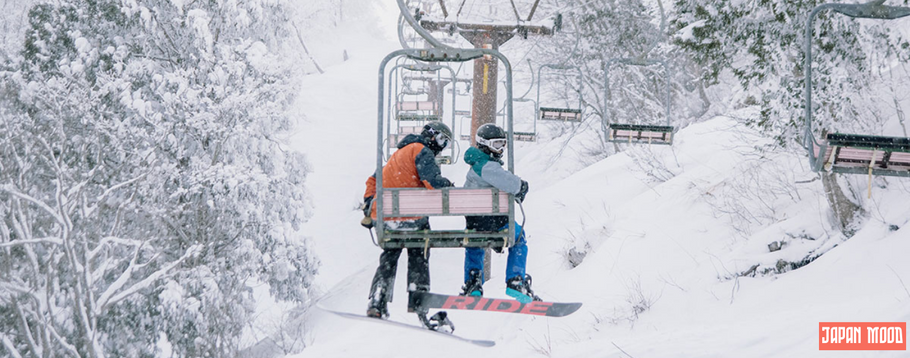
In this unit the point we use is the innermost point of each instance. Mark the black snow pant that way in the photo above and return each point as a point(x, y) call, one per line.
point(418, 270)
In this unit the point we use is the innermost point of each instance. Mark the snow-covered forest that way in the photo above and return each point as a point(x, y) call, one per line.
point(185, 178)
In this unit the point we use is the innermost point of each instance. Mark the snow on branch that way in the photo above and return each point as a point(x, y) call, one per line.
point(44, 240)
point(12, 191)
point(109, 297)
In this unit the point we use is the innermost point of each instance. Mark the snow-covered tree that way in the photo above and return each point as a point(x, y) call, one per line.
point(144, 186)
point(761, 43)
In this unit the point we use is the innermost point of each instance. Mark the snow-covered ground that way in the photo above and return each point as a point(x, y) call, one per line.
point(665, 258)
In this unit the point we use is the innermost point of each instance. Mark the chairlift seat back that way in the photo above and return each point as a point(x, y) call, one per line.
point(417, 106)
point(636, 133)
point(524, 136)
point(560, 114)
point(411, 202)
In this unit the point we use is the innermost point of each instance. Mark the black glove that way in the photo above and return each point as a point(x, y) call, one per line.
point(520, 197)
point(367, 221)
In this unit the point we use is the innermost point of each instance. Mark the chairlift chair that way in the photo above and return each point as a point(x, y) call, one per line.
point(416, 202)
point(462, 134)
point(854, 153)
point(418, 112)
point(557, 113)
point(638, 133)
point(519, 136)
point(527, 136)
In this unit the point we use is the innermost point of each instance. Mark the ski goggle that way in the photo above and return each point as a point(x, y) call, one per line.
point(442, 139)
point(495, 144)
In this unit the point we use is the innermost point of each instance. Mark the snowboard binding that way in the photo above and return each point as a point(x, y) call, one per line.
point(439, 322)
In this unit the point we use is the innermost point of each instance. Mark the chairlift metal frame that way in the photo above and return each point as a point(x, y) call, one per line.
point(562, 114)
point(854, 153)
point(439, 238)
point(637, 133)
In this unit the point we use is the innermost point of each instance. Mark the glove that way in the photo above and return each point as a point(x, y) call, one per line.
point(367, 220)
point(520, 197)
point(366, 205)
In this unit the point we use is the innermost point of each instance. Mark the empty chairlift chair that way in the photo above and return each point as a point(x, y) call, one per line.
point(527, 136)
point(558, 113)
point(415, 202)
point(638, 133)
point(854, 153)
point(418, 113)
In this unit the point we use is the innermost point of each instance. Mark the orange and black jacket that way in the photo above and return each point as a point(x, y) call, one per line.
point(413, 165)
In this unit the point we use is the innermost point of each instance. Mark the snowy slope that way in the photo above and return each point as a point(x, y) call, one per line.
point(661, 275)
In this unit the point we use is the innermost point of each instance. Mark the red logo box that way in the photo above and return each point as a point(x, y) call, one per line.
point(862, 336)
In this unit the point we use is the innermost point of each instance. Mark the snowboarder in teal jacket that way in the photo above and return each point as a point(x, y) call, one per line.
point(485, 159)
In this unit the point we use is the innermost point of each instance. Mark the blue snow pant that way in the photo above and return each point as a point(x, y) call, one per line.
point(518, 253)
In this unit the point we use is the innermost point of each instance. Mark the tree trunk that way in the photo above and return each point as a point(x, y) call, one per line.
point(844, 210)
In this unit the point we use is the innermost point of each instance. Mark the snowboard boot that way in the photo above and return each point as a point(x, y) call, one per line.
point(378, 307)
point(520, 289)
point(474, 285)
point(414, 304)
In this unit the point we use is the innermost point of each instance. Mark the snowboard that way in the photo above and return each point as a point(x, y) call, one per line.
point(429, 300)
point(478, 342)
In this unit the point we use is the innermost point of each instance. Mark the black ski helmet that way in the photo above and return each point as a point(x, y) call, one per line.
point(437, 134)
point(490, 139)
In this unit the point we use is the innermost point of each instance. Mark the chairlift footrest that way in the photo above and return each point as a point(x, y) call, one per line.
point(418, 117)
point(441, 239)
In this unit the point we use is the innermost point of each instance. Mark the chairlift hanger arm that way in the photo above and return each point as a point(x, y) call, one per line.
point(870, 10)
point(420, 30)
